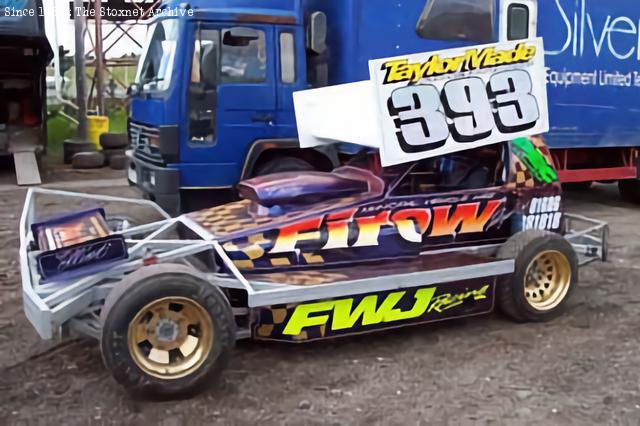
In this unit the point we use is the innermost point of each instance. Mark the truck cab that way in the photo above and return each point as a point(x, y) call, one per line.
point(212, 103)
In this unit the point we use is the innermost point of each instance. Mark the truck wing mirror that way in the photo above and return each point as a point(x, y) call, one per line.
point(134, 89)
point(317, 33)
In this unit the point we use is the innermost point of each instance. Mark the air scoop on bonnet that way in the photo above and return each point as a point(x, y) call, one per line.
point(300, 188)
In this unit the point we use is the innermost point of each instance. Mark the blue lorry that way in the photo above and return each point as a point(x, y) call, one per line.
point(212, 103)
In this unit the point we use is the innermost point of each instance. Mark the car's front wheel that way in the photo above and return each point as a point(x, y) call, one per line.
point(166, 332)
point(546, 273)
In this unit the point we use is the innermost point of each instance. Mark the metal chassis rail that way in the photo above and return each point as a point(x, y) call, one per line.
point(591, 242)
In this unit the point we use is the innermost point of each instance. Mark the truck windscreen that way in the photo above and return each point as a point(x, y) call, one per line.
point(468, 20)
point(156, 63)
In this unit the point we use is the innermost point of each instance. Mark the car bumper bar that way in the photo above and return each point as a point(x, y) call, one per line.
point(589, 238)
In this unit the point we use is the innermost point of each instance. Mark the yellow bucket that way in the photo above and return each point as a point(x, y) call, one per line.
point(97, 125)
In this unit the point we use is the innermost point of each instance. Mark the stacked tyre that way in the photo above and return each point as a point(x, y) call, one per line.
point(113, 148)
point(112, 154)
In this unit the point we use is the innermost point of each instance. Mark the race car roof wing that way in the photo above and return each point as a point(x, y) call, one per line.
point(345, 113)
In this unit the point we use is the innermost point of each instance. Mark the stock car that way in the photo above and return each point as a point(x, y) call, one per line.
point(304, 257)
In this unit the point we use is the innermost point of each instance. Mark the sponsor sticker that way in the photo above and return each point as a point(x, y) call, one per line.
point(369, 312)
point(432, 104)
point(544, 214)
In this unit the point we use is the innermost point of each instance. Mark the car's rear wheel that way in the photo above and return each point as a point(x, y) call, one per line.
point(166, 332)
point(546, 273)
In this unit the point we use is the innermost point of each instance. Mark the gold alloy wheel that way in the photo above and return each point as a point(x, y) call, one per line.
point(171, 337)
point(547, 280)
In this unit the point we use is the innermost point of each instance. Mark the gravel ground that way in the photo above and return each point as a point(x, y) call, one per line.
point(580, 369)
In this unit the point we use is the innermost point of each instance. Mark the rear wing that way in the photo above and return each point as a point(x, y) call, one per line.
point(432, 104)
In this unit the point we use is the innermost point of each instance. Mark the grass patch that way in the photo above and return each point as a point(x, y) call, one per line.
point(59, 128)
point(118, 120)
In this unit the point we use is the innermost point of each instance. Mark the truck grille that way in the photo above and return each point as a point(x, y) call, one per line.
point(144, 141)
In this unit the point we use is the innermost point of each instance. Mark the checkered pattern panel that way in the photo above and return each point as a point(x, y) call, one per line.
point(543, 148)
point(523, 177)
point(233, 218)
point(301, 278)
point(229, 219)
point(272, 317)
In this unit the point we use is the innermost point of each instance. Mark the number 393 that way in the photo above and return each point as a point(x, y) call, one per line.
point(467, 109)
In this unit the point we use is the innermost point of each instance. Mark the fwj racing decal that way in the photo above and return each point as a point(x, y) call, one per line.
point(365, 233)
point(433, 104)
point(369, 312)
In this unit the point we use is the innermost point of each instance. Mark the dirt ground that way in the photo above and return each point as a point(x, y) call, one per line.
point(582, 368)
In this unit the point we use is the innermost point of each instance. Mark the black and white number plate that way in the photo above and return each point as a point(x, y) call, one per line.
point(432, 104)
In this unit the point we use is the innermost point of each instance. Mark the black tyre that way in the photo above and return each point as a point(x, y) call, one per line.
point(283, 164)
point(114, 140)
point(87, 160)
point(630, 190)
point(72, 147)
point(605, 246)
point(577, 186)
point(546, 273)
point(166, 332)
point(118, 162)
point(108, 153)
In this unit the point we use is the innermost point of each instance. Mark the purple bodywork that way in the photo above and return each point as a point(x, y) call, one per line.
point(294, 188)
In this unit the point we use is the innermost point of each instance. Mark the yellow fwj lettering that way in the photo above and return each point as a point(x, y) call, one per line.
point(345, 316)
point(302, 317)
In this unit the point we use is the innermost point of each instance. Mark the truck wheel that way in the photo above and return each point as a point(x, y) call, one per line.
point(630, 190)
point(577, 186)
point(546, 273)
point(283, 164)
point(166, 332)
